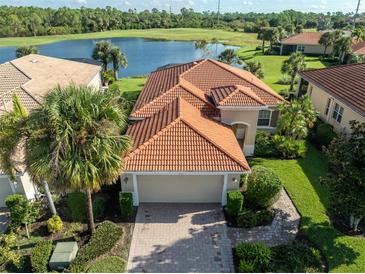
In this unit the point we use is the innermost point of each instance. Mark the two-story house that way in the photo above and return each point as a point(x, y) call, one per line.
point(192, 126)
point(338, 94)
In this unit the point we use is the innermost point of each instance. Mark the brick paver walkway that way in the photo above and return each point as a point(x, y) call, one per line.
point(282, 230)
point(180, 238)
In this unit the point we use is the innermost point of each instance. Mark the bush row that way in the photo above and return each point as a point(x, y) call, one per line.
point(40, 255)
point(268, 145)
point(107, 234)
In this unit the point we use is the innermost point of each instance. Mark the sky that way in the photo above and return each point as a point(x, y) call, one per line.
point(203, 5)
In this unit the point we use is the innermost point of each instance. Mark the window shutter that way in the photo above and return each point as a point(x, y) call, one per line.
point(274, 118)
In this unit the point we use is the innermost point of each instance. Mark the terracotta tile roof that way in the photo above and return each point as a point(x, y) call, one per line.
point(359, 48)
point(198, 78)
point(179, 138)
point(236, 96)
point(346, 83)
point(32, 76)
point(304, 38)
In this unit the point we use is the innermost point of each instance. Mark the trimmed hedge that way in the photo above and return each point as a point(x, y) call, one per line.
point(76, 203)
point(263, 187)
point(324, 135)
point(99, 204)
point(264, 145)
point(107, 234)
point(252, 218)
point(54, 224)
point(40, 256)
point(234, 202)
point(253, 257)
point(126, 203)
point(112, 264)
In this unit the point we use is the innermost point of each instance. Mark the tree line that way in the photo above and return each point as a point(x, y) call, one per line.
point(34, 21)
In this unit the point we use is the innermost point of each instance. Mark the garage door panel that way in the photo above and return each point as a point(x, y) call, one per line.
point(180, 189)
point(5, 190)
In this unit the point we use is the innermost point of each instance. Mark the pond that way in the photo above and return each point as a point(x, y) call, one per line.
point(143, 55)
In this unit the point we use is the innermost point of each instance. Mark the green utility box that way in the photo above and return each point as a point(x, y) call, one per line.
point(63, 255)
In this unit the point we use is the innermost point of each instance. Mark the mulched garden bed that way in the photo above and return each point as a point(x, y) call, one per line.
point(231, 221)
point(343, 226)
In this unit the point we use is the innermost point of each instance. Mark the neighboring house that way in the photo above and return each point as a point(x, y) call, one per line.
point(338, 93)
point(306, 42)
point(31, 77)
point(190, 126)
point(359, 48)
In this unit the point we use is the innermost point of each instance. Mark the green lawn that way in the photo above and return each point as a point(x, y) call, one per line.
point(187, 34)
point(131, 86)
point(272, 65)
point(301, 180)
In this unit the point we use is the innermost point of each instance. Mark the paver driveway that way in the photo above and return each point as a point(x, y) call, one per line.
point(180, 238)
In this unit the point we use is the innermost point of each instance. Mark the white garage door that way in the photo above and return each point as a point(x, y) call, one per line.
point(180, 189)
point(5, 190)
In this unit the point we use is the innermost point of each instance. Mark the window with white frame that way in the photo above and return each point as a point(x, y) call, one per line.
point(300, 48)
point(264, 118)
point(338, 113)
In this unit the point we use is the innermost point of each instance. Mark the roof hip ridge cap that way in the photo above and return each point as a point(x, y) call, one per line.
point(238, 161)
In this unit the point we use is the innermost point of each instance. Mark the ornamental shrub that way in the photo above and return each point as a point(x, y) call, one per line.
point(126, 203)
point(288, 148)
point(99, 204)
point(40, 255)
point(263, 187)
point(264, 145)
point(324, 135)
point(234, 202)
point(76, 203)
point(112, 264)
point(251, 218)
point(107, 234)
point(246, 267)
point(54, 224)
point(258, 255)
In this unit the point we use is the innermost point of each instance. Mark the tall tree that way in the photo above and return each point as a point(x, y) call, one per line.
point(34, 23)
point(358, 34)
point(228, 56)
point(326, 40)
point(101, 53)
point(292, 66)
point(264, 35)
point(342, 47)
point(77, 142)
point(13, 134)
point(255, 67)
point(25, 50)
point(118, 59)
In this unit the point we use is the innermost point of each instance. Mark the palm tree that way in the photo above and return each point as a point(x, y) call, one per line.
point(77, 142)
point(255, 67)
point(118, 59)
point(342, 47)
point(26, 50)
point(101, 53)
point(358, 34)
point(273, 36)
point(263, 35)
point(228, 56)
point(13, 134)
point(326, 40)
point(293, 65)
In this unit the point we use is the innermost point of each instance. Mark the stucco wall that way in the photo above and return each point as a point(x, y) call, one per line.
point(320, 98)
point(249, 118)
point(96, 82)
point(5, 190)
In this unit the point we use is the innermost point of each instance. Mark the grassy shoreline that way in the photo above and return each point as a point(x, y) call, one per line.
point(178, 34)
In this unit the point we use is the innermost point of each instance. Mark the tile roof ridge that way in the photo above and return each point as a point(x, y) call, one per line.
point(236, 90)
point(185, 85)
point(332, 67)
point(249, 92)
point(196, 64)
point(20, 70)
point(153, 101)
point(238, 161)
point(226, 67)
